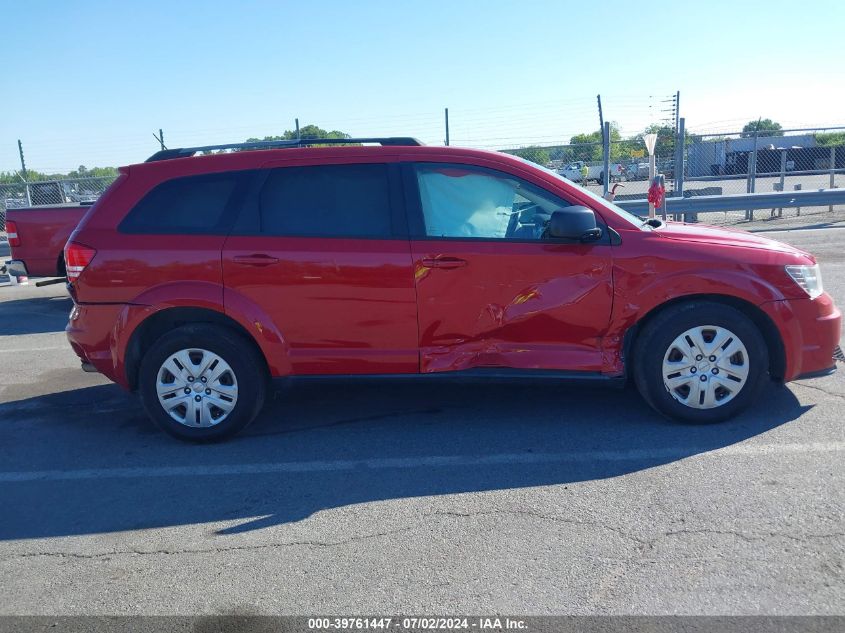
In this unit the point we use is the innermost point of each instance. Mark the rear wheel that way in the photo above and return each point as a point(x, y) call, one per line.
point(202, 382)
point(700, 362)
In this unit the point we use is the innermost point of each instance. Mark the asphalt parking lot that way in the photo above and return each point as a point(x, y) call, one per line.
point(399, 498)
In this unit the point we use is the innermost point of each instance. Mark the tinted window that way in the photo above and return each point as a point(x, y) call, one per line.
point(196, 204)
point(463, 202)
point(327, 200)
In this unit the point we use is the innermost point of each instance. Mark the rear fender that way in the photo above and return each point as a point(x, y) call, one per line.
point(200, 295)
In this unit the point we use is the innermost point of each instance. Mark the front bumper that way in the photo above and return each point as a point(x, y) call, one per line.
point(810, 330)
point(17, 267)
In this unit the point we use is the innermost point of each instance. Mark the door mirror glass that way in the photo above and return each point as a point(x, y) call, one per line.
point(574, 223)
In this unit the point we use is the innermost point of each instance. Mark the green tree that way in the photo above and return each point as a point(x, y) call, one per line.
point(307, 132)
point(534, 153)
point(586, 147)
point(665, 146)
point(563, 154)
point(829, 139)
point(763, 127)
point(94, 172)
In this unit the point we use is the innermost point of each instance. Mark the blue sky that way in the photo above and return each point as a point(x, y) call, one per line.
point(89, 82)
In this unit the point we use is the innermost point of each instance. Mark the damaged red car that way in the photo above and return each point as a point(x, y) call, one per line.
point(197, 279)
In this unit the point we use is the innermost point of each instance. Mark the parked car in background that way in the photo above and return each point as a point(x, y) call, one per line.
point(574, 172)
point(667, 168)
point(37, 237)
point(636, 171)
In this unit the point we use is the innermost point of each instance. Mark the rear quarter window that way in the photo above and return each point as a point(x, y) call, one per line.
point(203, 205)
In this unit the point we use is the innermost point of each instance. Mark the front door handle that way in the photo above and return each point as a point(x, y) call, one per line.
point(259, 259)
point(444, 262)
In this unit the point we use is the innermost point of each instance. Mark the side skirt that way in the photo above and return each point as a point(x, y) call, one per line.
point(478, 375)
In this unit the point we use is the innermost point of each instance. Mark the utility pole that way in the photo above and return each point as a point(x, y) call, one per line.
point(23, 163)
point(605, 150)
point(601, 117)
point(677, 111)
point(447, 126)
point(298, 137)
point(160, 139)
point(24, 174)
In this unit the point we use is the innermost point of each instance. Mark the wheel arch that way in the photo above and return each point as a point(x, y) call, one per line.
point(764, 323)
point(162, 321)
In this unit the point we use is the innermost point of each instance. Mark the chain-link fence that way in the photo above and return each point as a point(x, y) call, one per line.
point(765, 161)
point(50, 193)
point(711, 164)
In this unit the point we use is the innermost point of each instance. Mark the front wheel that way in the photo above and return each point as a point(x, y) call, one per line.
point(700, 362)
point(202, 382)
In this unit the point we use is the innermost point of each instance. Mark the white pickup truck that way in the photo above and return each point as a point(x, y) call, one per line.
point(573, 171)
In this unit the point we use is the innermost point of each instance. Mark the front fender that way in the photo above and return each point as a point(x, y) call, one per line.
point(637, 293)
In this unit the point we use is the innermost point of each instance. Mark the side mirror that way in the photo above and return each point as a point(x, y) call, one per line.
point(574, 223)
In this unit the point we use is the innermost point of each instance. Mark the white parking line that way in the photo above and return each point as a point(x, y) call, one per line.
point(18, 350)
point(673, 453)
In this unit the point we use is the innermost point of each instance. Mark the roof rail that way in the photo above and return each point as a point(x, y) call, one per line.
point(184, 152)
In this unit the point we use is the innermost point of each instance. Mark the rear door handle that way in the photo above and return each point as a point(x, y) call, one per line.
point(444, 262)
point(258, 259)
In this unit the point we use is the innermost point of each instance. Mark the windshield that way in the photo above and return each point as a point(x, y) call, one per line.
point(626, 215)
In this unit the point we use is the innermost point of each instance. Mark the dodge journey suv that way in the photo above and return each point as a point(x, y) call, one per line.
point(198, 279)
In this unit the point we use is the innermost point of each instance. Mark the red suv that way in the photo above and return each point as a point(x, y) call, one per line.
point(196, 280)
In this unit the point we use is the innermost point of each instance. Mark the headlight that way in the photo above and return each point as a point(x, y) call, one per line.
point(808, 277)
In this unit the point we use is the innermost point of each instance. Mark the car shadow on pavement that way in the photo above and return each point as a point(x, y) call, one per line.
point(34, 315)
point(339, 444)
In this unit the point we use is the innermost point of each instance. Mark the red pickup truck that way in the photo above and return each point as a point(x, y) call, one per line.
point(37, 237)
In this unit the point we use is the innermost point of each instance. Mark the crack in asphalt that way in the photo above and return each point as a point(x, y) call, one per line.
point(821, 389)
point(547, 517)
point(642, 544)
point(210, 550)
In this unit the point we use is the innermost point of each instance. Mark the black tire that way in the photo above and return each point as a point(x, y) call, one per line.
point(653, 342)
point(245, 361)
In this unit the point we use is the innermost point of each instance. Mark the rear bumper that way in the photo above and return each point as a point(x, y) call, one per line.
point(90, 334)
point(810, 330)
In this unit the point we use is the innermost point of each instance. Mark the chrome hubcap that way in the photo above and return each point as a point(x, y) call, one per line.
point(705, 367)
point(197, 388)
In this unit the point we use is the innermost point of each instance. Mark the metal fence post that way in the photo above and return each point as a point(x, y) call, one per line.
point(779, 186)
point(752, 175)
point(605, 150)
point(679, 159)
point(832, 171)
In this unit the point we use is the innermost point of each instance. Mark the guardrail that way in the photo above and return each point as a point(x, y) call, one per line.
point(740, 202)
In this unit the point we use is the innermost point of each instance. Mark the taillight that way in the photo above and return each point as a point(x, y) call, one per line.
point(77, 257)
point(12, 233)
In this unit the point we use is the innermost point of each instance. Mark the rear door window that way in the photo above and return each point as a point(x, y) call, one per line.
point(203, 205)
point(327, 201)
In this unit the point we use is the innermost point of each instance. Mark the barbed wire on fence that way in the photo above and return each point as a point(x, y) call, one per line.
point(711, 163)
